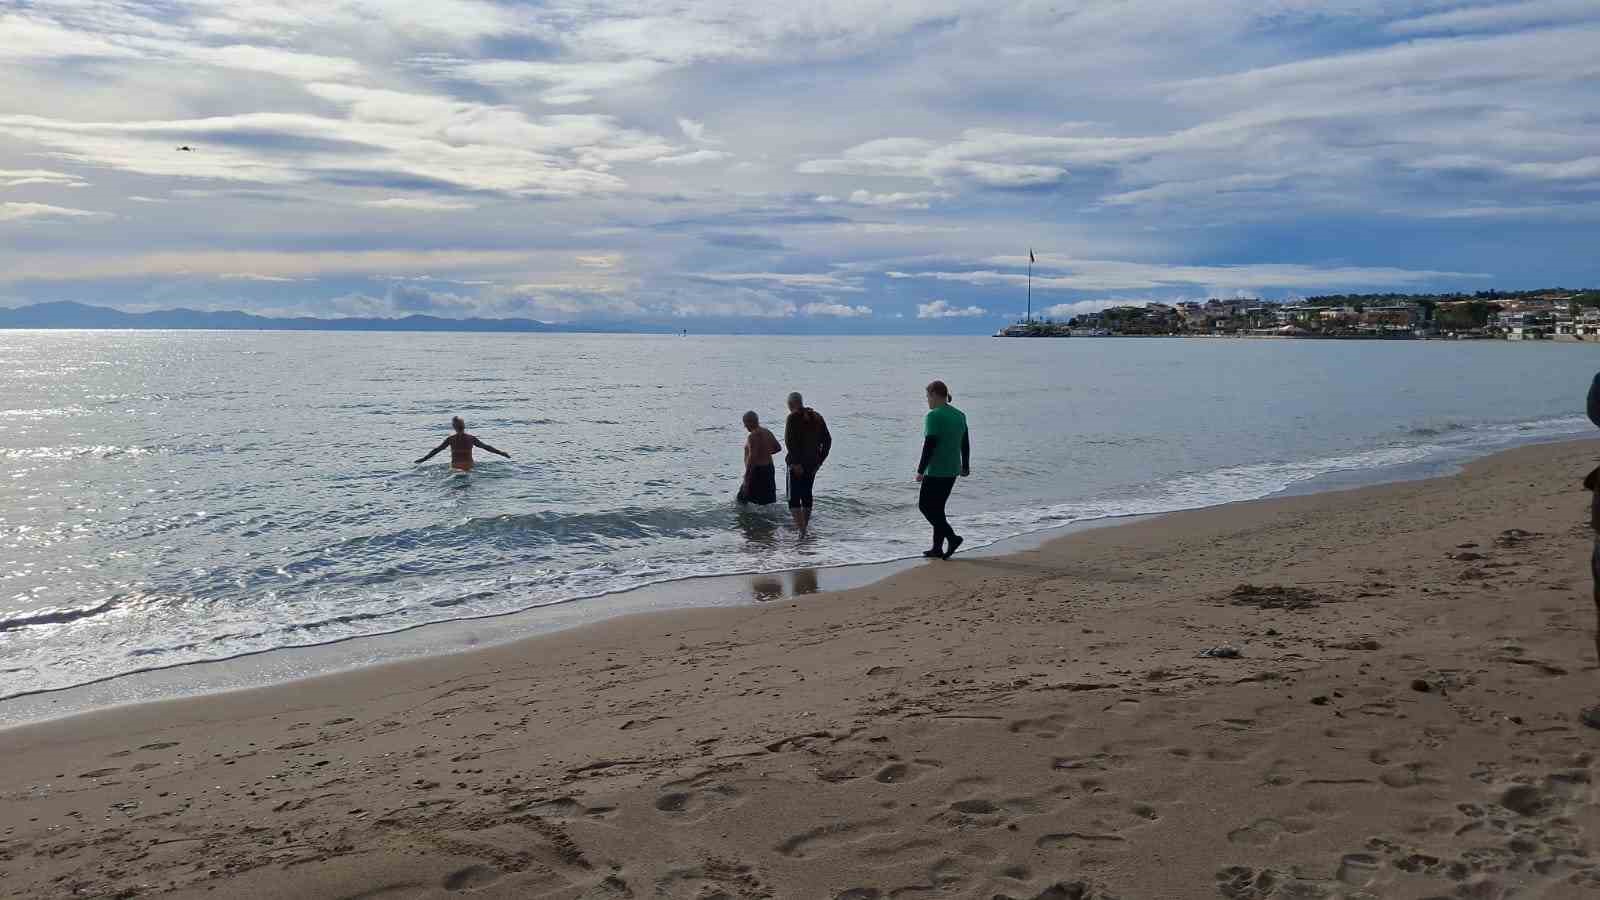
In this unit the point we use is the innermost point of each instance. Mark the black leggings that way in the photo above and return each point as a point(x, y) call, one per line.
point(931, 500)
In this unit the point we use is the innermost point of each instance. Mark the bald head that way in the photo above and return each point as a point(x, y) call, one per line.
point(751, 420)
point(796, 402)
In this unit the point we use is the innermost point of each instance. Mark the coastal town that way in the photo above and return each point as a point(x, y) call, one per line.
point(1561, 315)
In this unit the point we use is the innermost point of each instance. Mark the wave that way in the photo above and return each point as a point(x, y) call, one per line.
point(98, 451)
point(58, 616)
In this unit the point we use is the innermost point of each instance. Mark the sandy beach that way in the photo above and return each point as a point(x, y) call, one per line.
point(1400, 720)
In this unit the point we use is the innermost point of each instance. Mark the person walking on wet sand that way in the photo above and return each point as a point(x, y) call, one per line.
point(759, 486)
point(946, 454)
point(461, 444)
point(809, 442)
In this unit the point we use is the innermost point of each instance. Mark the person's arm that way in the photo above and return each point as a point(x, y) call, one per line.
point(1594, 401)
point(966, 453)
point(788, 438)
point(434, 452)
point(478, 443)
point(776, 447)
point(928, 443)
point(824, 441)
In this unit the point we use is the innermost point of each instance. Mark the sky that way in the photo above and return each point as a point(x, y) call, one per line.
point(825, 166)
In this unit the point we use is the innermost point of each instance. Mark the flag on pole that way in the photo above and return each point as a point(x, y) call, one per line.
point(1030, 254)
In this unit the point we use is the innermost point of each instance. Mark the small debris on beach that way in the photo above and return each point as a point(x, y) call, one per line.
point(1512, 537)
point(1220, 653)
point(1421, 686)
point(1275, 596)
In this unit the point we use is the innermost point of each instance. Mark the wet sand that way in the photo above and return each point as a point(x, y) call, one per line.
point(1401, 720)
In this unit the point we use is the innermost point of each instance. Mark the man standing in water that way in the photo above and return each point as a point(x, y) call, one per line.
point(759, 486)
point(461, 445)
point(809, 442)
point(946, 454)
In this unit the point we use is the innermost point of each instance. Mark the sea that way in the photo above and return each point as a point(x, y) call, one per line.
point(176, 497)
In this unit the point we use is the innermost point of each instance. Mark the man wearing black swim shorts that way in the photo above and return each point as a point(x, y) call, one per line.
point(809, 442)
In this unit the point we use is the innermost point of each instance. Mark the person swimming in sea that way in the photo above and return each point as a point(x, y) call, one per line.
point(461, 445)
point(760, 485)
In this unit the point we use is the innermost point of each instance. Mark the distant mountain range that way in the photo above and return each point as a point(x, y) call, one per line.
point(81, 315)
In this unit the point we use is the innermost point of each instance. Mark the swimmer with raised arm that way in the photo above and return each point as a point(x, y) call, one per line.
point(461, 444)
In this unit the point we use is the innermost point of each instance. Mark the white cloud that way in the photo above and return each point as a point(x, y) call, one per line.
point(1118, 275)
point(216, 263)
point(940, 309)
point(696, 131)
point(1081, 307)
point(12, 212)
point(23, 177)
point(802, 280)
point(898, 199)
point(273, 61)
point(836, 310)
point(692, 158)
point(253, 276)
point(422, 204)
point(1488, 18)
point(567, 83)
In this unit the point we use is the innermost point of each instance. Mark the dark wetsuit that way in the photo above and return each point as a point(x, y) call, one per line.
point(809, 442)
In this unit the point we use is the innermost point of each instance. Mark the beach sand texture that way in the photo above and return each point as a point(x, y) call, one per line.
point(1401, 721)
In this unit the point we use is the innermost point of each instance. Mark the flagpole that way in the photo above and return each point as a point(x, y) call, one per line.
point(1030, 287)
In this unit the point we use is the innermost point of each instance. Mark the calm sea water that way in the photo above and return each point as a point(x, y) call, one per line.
point(179, 496)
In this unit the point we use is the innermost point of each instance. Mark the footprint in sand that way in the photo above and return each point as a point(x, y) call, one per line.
point(471, 878)
point(826, 837)
point(1046, 727)
point(1409, 775)
point(694, 798)
point(904, 773)
point(1077, 840)
point(1266, 832)
point(568, 808)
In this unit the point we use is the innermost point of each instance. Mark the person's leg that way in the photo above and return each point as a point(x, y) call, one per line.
point(952, 540)
point(800, 499)
point(931, 511)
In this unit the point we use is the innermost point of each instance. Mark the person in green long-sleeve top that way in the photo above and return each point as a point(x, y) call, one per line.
point(946, 454)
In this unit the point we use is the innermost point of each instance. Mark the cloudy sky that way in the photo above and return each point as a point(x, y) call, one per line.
point(820, 165)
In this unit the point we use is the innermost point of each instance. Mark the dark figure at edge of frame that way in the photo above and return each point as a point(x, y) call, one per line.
point(1591, 715)
point(760, 484)
point(461, 445)
point(946, 454)
point(809, 442)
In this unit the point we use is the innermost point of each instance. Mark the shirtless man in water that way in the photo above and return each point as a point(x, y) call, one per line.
point(461, 445)
point(760, 486)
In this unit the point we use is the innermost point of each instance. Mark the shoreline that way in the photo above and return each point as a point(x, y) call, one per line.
point(284, 665)
point(1009, 725)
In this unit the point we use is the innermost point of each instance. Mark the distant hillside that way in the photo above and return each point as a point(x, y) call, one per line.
point(80, 315)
